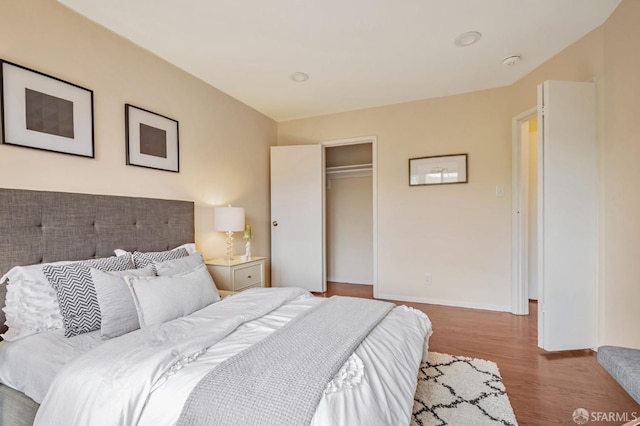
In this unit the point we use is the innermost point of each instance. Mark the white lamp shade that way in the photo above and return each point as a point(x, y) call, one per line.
point(228, 219)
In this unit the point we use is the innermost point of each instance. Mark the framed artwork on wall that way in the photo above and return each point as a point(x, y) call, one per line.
point(152, 140)
point(438, 170)
point(44, 112)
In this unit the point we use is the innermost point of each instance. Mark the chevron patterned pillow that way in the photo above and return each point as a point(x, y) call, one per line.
point(77, 294)
point(144, 259)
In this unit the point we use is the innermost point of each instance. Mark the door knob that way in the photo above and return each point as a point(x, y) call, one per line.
point(274, 223)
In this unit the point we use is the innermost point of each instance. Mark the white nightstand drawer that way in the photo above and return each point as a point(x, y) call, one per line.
point(244, 277)
point(237, 274)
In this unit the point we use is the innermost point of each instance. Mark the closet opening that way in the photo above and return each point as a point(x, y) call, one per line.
point(350, 207)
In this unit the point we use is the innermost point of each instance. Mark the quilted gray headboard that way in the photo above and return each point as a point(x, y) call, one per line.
point(40, 226)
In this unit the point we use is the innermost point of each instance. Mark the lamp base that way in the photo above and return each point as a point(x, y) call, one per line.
point(229, 246)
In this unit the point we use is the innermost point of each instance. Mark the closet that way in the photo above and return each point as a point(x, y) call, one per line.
point(349, 213)
point(323, 218)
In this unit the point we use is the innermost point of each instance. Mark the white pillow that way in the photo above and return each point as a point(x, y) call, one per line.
point(161, 299)
point(118, 313)
point(189, 247)
point(3, 297)
point(30, 308)
point(30, 272)
point(31, 304)
point(179, 266)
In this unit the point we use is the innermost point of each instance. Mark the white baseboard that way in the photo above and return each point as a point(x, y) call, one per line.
point(444, 302)
point(345, 281)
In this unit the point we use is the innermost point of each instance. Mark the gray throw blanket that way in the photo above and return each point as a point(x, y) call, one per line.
point(280, 380)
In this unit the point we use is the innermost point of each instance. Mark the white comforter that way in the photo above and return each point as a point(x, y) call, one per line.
point(145, 376)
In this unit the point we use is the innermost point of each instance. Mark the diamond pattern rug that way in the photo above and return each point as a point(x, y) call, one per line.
point(460, 391)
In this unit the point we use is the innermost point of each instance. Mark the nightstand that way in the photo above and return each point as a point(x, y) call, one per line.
point(225, 293)
point(237, 275)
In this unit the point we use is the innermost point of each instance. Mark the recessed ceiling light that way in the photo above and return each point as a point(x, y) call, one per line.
point(467, 39)
point(299, 77)
point(510, 61)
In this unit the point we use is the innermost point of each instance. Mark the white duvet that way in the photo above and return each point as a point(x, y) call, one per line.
point(144, 377)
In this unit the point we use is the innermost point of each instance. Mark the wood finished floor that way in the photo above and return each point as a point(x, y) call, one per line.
point(544, 388)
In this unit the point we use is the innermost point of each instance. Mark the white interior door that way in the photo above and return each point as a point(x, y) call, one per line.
point(297, 217)
point(567, 216)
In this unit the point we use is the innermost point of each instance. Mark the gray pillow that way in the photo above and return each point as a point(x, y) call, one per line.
point(118, 314)
point(161, 299)
point(77, 294)
point(178, 266)
point(143, 259)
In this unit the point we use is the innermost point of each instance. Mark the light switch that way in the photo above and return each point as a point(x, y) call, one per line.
point(500, 191)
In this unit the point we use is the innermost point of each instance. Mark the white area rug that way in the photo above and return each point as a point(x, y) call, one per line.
point(460, 391)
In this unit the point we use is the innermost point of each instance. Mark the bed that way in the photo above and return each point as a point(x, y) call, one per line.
point(53, 379)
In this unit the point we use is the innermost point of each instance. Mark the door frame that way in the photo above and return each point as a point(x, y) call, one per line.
point(519, 214)
point(373, 140)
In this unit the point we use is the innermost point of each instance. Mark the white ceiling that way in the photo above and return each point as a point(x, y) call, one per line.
point(358, 53)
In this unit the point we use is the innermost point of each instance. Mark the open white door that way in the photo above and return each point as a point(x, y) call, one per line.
point(297, 217)
point(567, 216)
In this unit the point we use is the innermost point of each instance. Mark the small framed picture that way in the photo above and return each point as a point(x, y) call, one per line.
point(438, 170)
point(44, 112)
point(152, 139)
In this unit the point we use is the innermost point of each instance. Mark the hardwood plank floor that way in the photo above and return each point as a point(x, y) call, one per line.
point(544, 388)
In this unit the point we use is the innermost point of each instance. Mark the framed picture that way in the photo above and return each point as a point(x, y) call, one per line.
point(43, 112)
point(152, 139)
point(438, 170)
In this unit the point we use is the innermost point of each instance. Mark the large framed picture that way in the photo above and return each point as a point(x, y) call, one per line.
point(437, 170)
point(44, 112)
point(152, 139)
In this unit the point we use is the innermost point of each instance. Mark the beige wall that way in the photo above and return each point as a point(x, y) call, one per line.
point(224, 145)
point(461, 233)
point(349, 238)
point(458, 233)
point(620, 292)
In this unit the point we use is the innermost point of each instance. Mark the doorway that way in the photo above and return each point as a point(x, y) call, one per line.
point(525, 148)
point(350, 211)
point(529, 132)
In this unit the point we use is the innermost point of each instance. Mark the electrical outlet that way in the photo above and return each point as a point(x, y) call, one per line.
point(427, 279)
